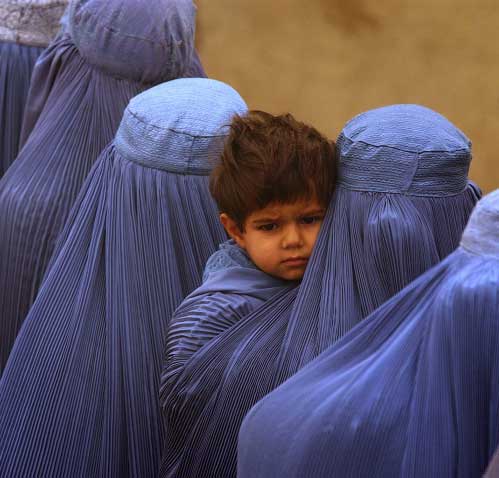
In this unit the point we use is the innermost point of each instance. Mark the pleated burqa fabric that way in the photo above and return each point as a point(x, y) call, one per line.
point(232, 288)
point(412, 391)
point(79, 395)
point(401, 203)
point(110, 51)
point(26, 28)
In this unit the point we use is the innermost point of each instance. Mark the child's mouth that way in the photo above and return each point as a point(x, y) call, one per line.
point(296, 261)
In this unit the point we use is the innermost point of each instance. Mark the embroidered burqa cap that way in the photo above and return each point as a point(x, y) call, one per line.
point(132, 39)
point(411, 391)
point(79, 394)
point(80, 87)
point(402, 201)
point(377, 236)
point(26, 27)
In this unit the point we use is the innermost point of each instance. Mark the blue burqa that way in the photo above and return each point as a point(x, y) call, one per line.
point(79, 394)
point(232, 288)
point(26, 28)
point(412, 391)
point(108, 52)
point(401, 203)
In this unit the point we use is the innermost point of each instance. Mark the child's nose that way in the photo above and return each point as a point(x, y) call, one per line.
point(292, 237)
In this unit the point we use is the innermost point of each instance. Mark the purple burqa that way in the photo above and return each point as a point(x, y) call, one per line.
point(412, 391)
point(80, 392)
point(110, 50)
point(26, 28)
point(232, 288)
point(401, 203)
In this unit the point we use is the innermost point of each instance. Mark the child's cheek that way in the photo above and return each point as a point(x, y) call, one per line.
point(270, 251)
point(313, 236)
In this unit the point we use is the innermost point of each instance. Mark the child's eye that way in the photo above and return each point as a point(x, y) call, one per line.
point(311, 219)
point(268, 227)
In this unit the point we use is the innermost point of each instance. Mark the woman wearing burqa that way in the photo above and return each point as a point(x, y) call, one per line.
point(412, 391)
point(110, 51)
point(79, 395)
point(26, 28)
point(401, 203)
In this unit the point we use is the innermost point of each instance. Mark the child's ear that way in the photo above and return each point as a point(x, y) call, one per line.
point(233, 230)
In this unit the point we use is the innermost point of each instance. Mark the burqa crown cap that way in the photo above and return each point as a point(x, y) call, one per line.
point(179, 126)
point(30, 22)
point(481, 234)
point(405, 149)
point(148, 41)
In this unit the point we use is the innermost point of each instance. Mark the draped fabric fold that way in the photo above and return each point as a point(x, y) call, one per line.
point(26, 28)
point(79, 395)
point(16, 67)
point(75, 104)
point(377, 236)
point(410, 391)
point(232, 289)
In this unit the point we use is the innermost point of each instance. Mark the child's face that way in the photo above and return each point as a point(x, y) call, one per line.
point(280, 237)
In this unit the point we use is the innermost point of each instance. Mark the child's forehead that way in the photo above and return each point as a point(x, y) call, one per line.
point(276, 209)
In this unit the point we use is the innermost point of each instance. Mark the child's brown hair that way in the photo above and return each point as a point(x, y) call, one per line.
point(269, 158)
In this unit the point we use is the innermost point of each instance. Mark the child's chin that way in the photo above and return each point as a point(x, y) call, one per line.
point(292, 275)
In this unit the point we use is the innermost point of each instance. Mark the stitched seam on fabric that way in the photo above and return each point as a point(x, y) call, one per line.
point(189, 159)
point(162, 128)
point(405, 150)
point(145, 164)
point(414, 170)
point(126, 35)
point(370, 191)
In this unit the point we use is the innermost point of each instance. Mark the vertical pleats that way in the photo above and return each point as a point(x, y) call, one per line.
point(411, 391)
point(79, 118)
point(371, 245)
point(16, 66)
point(43, 411)
point(79, 395)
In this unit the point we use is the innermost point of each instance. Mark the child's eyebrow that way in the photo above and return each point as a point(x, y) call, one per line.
point(313, 212)
point(265, 219)
point(276, 218)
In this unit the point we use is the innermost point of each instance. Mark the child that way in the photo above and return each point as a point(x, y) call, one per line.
point(272, 187)
point(393, 214)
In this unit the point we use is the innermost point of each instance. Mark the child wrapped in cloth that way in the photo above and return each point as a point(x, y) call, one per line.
point(401, 202)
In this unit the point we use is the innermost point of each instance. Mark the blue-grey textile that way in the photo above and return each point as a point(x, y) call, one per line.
point(232, 288)
point(26, 28)
point(493, 468)
point(136, 40)
point(411, 391)
point(80, 87)
point(378, 235)
point(16, 66)
point(79, 395)
point(228, 256)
